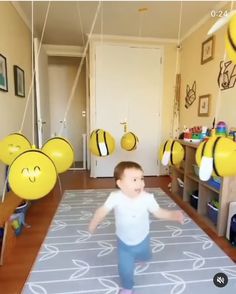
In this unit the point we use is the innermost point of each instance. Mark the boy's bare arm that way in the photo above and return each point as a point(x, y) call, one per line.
point(98, 217)
point(175, 215)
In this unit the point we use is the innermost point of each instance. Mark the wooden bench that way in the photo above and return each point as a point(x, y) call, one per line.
point(7, 208)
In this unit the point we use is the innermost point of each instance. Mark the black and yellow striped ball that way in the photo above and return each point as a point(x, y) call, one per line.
point(231, 39)
point(129, 141)
point(171, 152)
point(223, 153)
point(101, 143)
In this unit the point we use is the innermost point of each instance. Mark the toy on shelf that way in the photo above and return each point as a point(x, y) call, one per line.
point(221, 129)
point(195, 134)
point(232, 134)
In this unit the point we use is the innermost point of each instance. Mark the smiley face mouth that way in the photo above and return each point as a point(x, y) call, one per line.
point(31, 174)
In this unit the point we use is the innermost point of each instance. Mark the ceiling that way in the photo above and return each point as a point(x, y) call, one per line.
point(69, 22)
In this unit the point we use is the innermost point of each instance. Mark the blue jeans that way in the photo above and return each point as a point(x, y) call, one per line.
point(127, 256)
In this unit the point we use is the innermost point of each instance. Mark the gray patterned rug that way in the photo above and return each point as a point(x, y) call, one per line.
point(71, 261)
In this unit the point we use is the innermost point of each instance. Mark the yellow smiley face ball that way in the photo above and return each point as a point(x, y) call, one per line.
point(12, 146)
point(32, 175)
point(61, 153)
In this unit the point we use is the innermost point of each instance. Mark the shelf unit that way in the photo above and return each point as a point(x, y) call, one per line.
point(206, 192)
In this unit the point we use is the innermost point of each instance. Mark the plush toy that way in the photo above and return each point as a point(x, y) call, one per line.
point(172, 152)
point(216, 156)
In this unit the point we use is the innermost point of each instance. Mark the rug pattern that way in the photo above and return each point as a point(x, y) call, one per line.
point(71, 261)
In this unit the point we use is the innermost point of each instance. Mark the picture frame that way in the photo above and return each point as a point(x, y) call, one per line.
point(19, 81)
point(3, 74)
point(208, 50)
point(204, 105)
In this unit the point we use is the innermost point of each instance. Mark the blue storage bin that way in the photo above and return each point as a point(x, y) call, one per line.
point(194, 199)
point(212, 212)
point(18, 218)
point(23, 207)
point(214, 184)
point(1, 232)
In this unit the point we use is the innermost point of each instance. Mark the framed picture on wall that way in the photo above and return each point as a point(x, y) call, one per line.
point(3, 73)
point(204, 105)
point(19, 81)
point(207, 50)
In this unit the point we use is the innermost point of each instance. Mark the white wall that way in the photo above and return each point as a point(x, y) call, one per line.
point(62, 71)
point(169, 61)
point(15, 45)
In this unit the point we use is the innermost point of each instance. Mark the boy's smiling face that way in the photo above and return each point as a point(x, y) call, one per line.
point(131, 182)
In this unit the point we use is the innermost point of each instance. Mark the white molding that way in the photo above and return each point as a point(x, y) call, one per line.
point(141, 40)
point(63, 50)
point(202, 21)
point(21, 13)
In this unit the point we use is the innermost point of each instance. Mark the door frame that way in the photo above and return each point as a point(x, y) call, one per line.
point(69, 51)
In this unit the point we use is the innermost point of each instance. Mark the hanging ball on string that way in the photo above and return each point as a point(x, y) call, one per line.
point(32, 175)
point(171, 152)
point(61, 152)
point(129, 141)
point(101, 143)
point(230, 40)
point(12, 146)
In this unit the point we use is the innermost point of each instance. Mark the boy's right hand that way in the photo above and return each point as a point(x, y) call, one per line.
point(91, 228)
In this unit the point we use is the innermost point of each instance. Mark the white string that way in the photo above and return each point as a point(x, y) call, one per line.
point(80, 22)
point(218, 101)
point(79, 70)
point(32, 61)
point(5, 186)
point(176, 102)
point(32, 80)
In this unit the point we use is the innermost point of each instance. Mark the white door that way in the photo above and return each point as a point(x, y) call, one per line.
point(42, 93)
point(128, 87)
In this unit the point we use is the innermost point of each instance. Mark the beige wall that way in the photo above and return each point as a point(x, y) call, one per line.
point(222, 104)
point(15, 45)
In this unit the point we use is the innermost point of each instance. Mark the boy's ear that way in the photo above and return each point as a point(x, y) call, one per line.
point(118, 183)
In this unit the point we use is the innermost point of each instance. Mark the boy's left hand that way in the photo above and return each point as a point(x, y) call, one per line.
point(178, 216)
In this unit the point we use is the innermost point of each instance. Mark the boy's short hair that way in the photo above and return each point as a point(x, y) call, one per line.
point(120, 167)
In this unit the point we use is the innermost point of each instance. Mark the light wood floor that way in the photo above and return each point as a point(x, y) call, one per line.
point(15, 271)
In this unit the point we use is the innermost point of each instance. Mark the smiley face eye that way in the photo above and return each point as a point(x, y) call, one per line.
point(13, 148)
point(25, 172)
point(37, 171)
point(31, 173)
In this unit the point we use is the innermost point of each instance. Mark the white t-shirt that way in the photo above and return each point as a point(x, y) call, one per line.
point(131, 215)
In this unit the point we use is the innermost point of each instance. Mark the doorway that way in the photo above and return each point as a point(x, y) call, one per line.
point(54, 79)
point(61, 72)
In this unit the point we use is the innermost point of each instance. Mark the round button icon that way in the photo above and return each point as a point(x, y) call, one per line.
point(220, 280)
